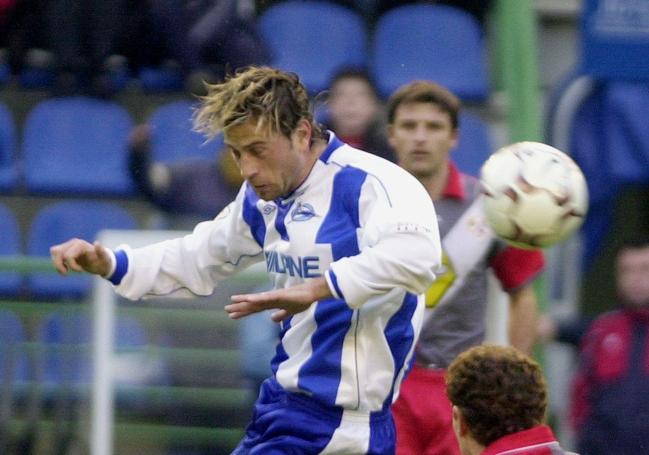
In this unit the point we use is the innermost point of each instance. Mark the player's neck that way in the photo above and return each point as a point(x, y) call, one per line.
point(435, 182)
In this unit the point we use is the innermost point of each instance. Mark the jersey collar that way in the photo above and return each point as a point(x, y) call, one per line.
point(535, 437)
point(334, 143)
point(454, 185)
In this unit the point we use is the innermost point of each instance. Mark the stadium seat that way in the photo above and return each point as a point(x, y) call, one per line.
point(313, 39)
point(77, 146)
point(8, 166)
point(10, 283)
point(60, 221)
point(5, 72)
point(172, 135)
point(155, 79)
point(14, 365)
point(474, 144)
point(433, 42)
point(59, 330)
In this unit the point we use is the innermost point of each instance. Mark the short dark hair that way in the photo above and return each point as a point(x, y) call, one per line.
point(425, 92)
point(634, 242)
point(499, 391)
point(354, 72)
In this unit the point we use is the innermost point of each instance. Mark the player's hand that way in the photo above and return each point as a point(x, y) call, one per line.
point(80, 256)
point(287, 301)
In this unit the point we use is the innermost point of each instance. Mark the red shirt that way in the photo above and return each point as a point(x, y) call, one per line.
point(538, 440)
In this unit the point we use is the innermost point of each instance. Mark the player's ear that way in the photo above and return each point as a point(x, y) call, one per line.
point(459, 425)
point(455, 137)
point(301, 135)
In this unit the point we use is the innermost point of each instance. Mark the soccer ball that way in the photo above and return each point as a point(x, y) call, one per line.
point(534, 195)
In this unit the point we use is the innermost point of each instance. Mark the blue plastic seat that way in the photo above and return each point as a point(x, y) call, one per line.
point(14, 365)
point(313, 39)
point(61, 221)
point(5, 73)
point(77, 146)
point(8, 167)
point(431, 42)
point(172, 135)
point(158, 79)
point(61, 333)
point(474, 144)
point(10, 283)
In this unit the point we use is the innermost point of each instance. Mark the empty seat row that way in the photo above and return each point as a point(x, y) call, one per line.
point(314, 38)
point(418, 41)
point(79, 146)
point(55, 223)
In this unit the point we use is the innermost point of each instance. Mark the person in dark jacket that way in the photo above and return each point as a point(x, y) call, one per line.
point(610, 407)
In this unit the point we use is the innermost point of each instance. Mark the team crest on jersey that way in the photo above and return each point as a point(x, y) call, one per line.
point(302, 212)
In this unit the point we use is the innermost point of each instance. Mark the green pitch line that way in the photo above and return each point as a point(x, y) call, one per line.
point(43, 264)
point(142, 432)
point(214, 318)
point(153, 396)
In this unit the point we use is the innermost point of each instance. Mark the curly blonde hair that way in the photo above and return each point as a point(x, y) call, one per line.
point(499, 390)
point(275, 99)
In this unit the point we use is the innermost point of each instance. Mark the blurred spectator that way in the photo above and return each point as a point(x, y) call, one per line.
point(355, 112)
point(21, 28)
point(499, 399)
point(569, 331)
point(198, 187)
point(83, 36)
point(6, 7)
point(610, 408)
point(207, 38)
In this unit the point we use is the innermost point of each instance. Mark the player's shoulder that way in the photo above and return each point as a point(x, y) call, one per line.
point(374, 166)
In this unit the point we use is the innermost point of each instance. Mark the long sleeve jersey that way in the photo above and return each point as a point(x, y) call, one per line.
point(360, 221)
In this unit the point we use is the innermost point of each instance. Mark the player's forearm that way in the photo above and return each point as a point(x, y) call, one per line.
point(522, 319)
point(404, 260)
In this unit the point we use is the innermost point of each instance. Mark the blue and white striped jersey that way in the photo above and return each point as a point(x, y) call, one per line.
point(365, 224)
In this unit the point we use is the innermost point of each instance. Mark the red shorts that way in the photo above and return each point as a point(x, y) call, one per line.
point(423, 415)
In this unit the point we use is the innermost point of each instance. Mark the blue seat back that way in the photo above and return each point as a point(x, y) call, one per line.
point(66, 357)
point(14, 365)
point(5, 72)
point(77, 146)
point(8, 167)
point(160, 79)
point(62, 221)
point(172, 135)
point(474, 144)
point(430, 42)
point(11, 245)
point(313, 39)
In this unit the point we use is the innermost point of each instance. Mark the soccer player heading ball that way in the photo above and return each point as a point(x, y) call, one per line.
point(350, 241)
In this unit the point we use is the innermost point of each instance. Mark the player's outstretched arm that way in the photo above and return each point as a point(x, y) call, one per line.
point(287, 301)
point(81, 256)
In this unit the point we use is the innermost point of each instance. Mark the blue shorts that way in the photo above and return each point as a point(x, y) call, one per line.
point(289, 423)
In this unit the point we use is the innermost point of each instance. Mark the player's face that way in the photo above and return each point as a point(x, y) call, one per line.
point(633, 276)
point(272, 163)
point(421, 136)
point(353, 106)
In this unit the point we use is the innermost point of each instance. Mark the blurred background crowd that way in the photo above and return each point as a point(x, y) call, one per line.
point(95, 132)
